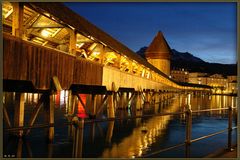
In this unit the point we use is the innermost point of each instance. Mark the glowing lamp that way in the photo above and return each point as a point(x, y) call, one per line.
point(95, 54)
point(45, 33)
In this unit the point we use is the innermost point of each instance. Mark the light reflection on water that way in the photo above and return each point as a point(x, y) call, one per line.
point(136, 142)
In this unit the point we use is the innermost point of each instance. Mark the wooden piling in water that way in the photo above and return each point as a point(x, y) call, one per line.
point(94, 105)
point(6, 116)
point(111, 107)
point(109, 132)
point(49, 109)
point(19, 113)
point(35, 112)
point(139, 102)
point(78, 137)
point(19, 148)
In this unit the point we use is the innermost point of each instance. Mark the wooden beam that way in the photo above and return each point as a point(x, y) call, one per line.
point(73, 41)
point(80, 99)
point(47, 26)
point(56, 84)
point(102, 53)
point(51, 39)
point(132, 96)
point(17, 19)
point(9, 13)
point(33, 18)
point(102, 105)
point(117, 63)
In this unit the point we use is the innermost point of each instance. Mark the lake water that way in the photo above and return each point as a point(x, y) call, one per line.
point(129, 138)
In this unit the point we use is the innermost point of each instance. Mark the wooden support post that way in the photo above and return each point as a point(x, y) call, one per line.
point(70, 127)
point(102, 105)
point(143, 96)
point(50, 150)
point(93, 132)
point(115, 99)
point(163, 100)
point(71, 103)
point(19, 112)
point(125, 100)
point(160, 99)
point(78, 137)
point(188, 131)
point(8, 100)
point(73, 41)
point(129, 100)
point(138, 103)
point(17, 19)
point(127, 95)
point(94, 105)
point(147, 96)
point(110, 108)
point(32, 98)
point(19, 148)
point(29, 150)
point(51, 118)
point(121, 100)
point(230, 118)
point(109, 132)
point(188, 126)
point(49, 108)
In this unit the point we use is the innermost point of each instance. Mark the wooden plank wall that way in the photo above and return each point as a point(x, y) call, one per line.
point(122, 79)
point(26, 61)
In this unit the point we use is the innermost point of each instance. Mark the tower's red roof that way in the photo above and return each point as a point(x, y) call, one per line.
point(159, 48)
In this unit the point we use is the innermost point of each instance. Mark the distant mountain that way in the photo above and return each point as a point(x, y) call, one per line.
point(194, 64)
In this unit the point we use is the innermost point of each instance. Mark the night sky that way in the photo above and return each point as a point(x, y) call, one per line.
point(207, 30)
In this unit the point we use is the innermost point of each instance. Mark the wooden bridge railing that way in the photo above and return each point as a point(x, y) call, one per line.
point(23, 60)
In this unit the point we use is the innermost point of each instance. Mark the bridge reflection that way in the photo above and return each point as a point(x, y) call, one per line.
point(123, 138)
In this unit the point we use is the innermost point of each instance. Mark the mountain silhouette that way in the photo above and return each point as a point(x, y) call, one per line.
point(191, 63)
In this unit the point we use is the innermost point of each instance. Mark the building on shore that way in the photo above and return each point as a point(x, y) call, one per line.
point(220, 84)
point(232, 84)
point(180, 75)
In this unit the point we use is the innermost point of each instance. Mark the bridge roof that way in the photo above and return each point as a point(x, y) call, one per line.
point(83, 26)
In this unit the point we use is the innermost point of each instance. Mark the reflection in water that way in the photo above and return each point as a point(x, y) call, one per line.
point(115, 144)
point(138, 142)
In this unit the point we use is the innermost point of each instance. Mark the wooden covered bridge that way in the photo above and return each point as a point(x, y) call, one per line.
point(48, 47)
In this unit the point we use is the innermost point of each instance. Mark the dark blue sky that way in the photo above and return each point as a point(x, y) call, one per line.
point(207, 30)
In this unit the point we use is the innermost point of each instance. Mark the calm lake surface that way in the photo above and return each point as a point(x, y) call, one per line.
point(128, 138)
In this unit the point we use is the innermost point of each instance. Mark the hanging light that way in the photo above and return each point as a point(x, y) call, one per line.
point(45, 33)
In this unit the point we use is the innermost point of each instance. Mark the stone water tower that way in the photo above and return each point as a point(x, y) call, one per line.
point(159, 53)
